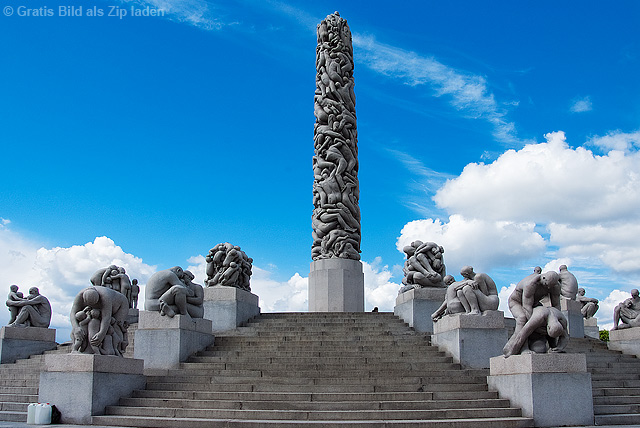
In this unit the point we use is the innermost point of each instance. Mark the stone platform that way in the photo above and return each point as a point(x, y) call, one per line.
point(22, 342)
point(229, 307)
point(553, 389)
point(571, 309)
point(336, 285)
point(625, 340)
point(416, 306)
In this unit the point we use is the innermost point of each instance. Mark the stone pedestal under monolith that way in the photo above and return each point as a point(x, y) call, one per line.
point(572, 310)
point(22, 342)
point(229, 307)
point(163, 342)
point(472, 340)
point(336, 285)
point(83, 385)
point(553, 389)
point(591, 328)
point(416, 306)
point(625, 340)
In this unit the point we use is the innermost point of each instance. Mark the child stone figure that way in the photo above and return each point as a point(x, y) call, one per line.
point(14, 296)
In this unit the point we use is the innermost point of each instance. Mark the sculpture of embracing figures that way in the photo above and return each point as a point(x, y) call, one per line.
point(424, 266)
point(475, 294)
point(31, 311)
point(171, 291)
point(229, 266)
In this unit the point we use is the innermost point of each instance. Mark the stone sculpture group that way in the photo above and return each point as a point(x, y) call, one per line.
point(116, 278)
point(172, 291)
point(424, 266)
point(474, 294)
point(31, 311)
point(627, 312)
point(336, 214)
point(229, 266)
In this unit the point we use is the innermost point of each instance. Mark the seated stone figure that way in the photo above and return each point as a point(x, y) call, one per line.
point(98, 320)
point(475, 294)
point(568, 283)
point(451, 304)
point(424, 266)
point(35, 310)
point(589, 305)
point(545, 331)
point(168, 292)
point(628, 312)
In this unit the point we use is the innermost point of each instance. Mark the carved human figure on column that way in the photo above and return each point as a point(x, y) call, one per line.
point(589, 304)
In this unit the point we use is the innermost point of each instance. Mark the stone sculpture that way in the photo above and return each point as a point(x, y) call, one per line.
point(229, 266)
point(14, 296)
point(589, 305)
point(336, 194)
point(171, 292)
point(99, 322)
point(475, 294)
point(628, 312)
point(135, 291)
point(568, 283)
point(115, 278)
point(424, 266)
point(545, 331)
point(32, 311)
point(537, 327)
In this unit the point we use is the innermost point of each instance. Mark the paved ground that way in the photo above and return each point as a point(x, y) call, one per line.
point(24, 425)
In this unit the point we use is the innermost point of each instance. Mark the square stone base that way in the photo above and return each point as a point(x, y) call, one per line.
point(133, 316)
point(472, 340)
point(336, 285)
point(229, 307)
point(83, 385)
point(416, 306)
point(625, 340)
point(23, 342)
point(571, 309)
point(163, 342)
point(553, 389)
point(591, 328)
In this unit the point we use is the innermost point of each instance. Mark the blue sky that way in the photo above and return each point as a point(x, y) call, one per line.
point(508, 133)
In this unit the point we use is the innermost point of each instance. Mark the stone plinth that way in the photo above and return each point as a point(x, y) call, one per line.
point(133, 316)
point(572, 311)
point(229, 307)
point(471, 339)
point(591, 328)
point(163, 342)
point(626, 340)
point(416, 306)
point(553, 389)
point(22, 342)
point(83, 385)
point(336, 285)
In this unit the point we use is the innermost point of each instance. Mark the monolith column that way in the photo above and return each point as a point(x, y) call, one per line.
point(336, 280)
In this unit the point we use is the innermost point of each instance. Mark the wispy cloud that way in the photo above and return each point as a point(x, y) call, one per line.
point(466, 92)
point(198, 13)
point(581, 105)
point(617, 140)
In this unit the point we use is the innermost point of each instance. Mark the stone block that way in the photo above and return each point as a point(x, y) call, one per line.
point(163, 342)
point(472, 340)
point(336, 285)
point(133, 316)
point(416, 306)
point(591, 328)
point(553, 389)
point(229, 307)
point(22, 342)
point(625, 340)
point(572, 311)
point(83, 385)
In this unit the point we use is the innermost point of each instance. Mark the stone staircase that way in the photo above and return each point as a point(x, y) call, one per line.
point(318, 369)
point(19, 384)
point(20, 381)
point(615, 380)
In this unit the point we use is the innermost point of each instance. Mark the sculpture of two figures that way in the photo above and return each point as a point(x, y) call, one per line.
point(229, 266)
point(475, 294)
point(172, 291)
point(99, 321)
point(424, 266)
point(628, 312)
point(31, 311)
point(569, 290)
point(539, 328)
point(116, 278)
